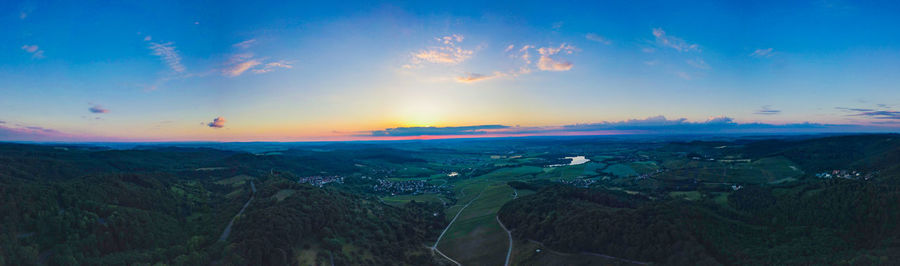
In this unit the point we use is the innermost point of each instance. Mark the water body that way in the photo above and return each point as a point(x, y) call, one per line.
point(576, 160)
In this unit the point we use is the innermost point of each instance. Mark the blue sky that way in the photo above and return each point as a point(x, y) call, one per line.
point(241, 71)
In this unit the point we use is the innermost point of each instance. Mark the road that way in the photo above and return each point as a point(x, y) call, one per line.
point(228, 228)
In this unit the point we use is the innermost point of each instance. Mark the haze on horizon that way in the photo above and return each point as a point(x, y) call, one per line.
point(273, 71)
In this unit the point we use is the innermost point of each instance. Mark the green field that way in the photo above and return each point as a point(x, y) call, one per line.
point(403, 199)
point(476, 238)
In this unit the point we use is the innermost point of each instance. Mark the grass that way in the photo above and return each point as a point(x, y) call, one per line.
point(620, 170)
point(688, 195)
point(283, 194)
point(476, 238)
point(563, 172)
point(234, 181)
point(643, 167)
point(526, 253)
point(766, 170)
point(403, 199)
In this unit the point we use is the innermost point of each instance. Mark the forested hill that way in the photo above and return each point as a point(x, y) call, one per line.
point(811, 220)
point(289, 219)
point(82, 205)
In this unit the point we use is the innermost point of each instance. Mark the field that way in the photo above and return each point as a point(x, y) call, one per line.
point(403, 199)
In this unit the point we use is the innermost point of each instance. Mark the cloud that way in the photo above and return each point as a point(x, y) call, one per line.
point(546, 61)
point(650, 125)
point(272, 66)
point(597, 38)
point(240, 63)
point(762, 52)
point(674, 42)
point(684, 75)
point(34, 50)
point(245, 44)
point(26, 10)
point(452, 39)
point(525, 55)
point(148, 38)
point(557, 25)
point(169, 55)
point(892, 115)
point(218, 122)
point(239, 68)
point(97, 109)
point(435, 131)
point(31, 133)
point(698, 63)
point(767, 110)
point(548, 64)
point(475, 77)
point(877, 114)
point(447, 53)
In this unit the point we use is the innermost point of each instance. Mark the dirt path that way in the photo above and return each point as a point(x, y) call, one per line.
point(434, 247)
point(228, 228)
point(508, 233)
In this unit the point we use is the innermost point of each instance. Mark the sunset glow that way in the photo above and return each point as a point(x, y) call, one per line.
point(173, 71)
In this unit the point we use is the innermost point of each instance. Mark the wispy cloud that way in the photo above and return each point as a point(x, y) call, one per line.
point(767, 110)
point(245, 44)
point(169, 54)
point(34, 50)
point(272, 66)
point(25, 11)
point(674, 42)
point(218, 122)
point(548, 63)
point(768, 52)
point(597, 38)
point(447, 53)
point(240, 63)
point(698, 63)
point(31, 133)
point(475, 77)
point(97, 109)
point(432, 131)
point(877, 114)
point(524, 54)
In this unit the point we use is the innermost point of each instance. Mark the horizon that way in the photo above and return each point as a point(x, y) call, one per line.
point(358, 71)
point(616, 137)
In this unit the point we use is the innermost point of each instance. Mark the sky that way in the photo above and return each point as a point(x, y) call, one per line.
point(342, 70)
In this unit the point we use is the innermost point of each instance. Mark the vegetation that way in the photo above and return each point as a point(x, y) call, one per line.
point(782, 200)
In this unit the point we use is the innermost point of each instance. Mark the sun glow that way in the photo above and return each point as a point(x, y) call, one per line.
point(420, 114)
